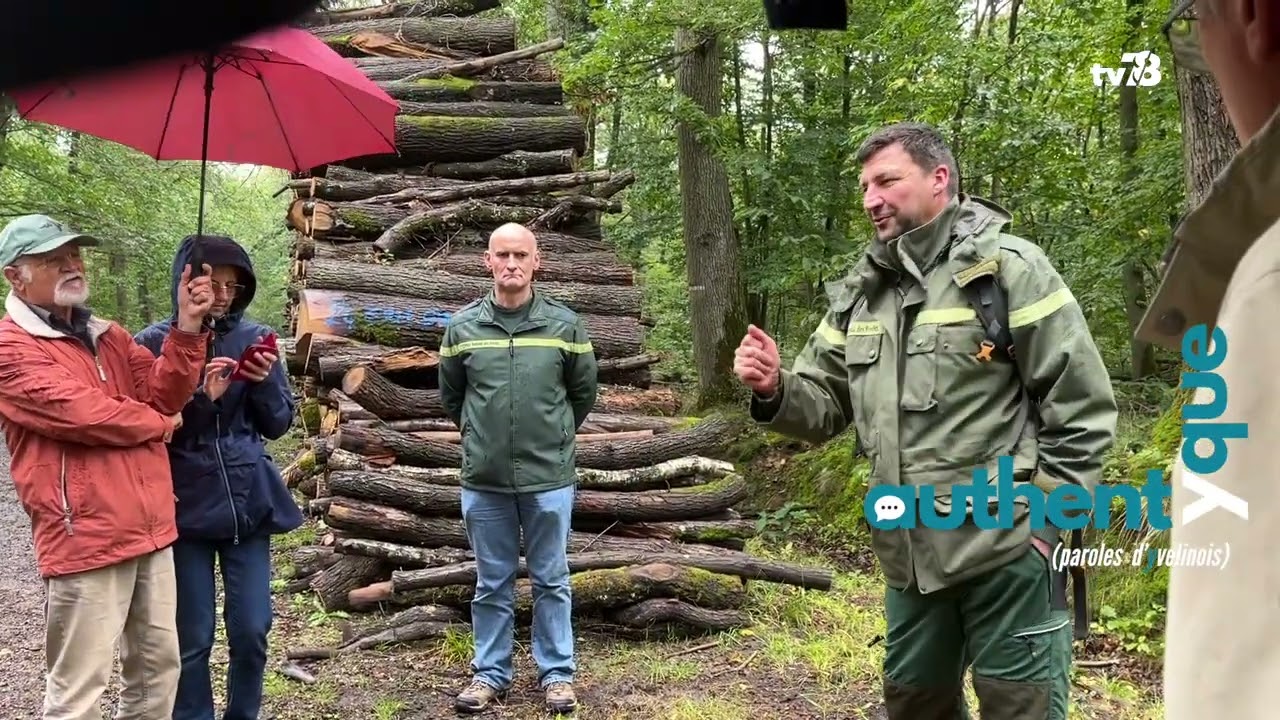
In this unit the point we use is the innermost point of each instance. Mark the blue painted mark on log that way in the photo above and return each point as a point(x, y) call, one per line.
point(343, 317)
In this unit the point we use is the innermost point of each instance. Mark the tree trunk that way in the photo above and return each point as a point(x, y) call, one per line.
point(402, 555)
point(457, 90)
point(716, 292)
point(350, 572)
point(426, 139)
point(396, 226)
point(403, 188)
point(721, 562)
point(483, 109)
point(514, 164)
point(421, 8)
point(679, 472)
point(592, 591)
point(670, 615)
point(399, 322)
point(1208, 140)
point(705, 439)
point(685, 503)
point(392, 69)
point(583, 296)
point(477, 36)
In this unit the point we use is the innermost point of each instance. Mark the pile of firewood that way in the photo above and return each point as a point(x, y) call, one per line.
point(386, 249)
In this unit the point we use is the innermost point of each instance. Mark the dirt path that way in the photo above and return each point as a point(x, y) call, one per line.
point(21, 613)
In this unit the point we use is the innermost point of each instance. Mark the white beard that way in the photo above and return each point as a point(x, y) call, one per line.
point(65, 297)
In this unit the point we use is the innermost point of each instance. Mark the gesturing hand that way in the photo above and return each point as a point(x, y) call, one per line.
point(217, 376)
point(756, 361)
point(195, 297)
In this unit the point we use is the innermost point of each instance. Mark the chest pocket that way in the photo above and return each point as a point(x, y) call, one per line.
point(863, 348)
point(940, 357)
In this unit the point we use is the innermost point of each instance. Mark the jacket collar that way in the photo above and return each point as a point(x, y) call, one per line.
point(491, 302)
point(1208, 245)
point(29, 320)
point(967, 228)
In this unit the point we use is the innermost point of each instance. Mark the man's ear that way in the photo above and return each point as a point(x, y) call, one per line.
point(941, 178)
point(14, 275)
point(1262, 28)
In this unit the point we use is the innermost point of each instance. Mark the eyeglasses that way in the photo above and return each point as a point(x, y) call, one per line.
point(230, 288)
point(1183, 34)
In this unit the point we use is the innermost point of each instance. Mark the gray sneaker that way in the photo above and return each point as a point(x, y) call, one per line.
point(560, 698)
point(477, 697)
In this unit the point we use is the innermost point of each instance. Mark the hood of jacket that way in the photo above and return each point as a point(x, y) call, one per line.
point(217, 250)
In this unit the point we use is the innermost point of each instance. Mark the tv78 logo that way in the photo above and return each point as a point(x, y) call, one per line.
point(1144, 70)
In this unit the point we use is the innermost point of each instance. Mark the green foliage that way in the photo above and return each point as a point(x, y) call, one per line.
point(1135, 633)
point(831, 482)
point(141, 209)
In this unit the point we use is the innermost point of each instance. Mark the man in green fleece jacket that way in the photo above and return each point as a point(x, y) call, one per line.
point(518, 377)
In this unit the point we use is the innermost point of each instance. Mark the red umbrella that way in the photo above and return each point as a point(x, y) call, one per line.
point(280, 98)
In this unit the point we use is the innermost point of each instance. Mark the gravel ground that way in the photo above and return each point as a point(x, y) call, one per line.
point(21, 611)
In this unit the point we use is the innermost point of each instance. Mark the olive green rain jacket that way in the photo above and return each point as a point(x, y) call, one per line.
point(926, 411)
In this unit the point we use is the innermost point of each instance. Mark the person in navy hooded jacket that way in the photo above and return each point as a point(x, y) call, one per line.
point(230, 495)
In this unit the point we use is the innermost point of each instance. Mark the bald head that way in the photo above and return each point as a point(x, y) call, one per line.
point(512, 258)
point(513, 233)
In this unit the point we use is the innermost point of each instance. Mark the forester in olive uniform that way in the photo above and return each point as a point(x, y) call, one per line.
point(518, 376)
point(903, 356)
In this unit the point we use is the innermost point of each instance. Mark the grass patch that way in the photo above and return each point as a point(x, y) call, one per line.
point(712, 708)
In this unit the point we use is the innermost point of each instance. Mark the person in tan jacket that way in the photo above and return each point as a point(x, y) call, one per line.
point(1223, 282)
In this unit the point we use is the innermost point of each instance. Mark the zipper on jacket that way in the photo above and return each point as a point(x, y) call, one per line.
point(511, 368)
point(66, 498)
point(101, 372)
point(226, 482)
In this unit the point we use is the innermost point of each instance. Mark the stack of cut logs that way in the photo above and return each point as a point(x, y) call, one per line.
point(386, 249)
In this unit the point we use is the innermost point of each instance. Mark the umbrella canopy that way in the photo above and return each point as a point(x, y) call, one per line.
point(280, 98)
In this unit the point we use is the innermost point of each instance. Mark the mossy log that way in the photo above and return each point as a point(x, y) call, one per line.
point(723, 563)
point(350, 572)
point(583, 297)
point(425, 498)
point(404, 188)
point(423, 139)
point(397, 321)
point(704, 438)
point(483, 109)
point(595, 589)
point(659, 612)
point(391, 69)
point(358, 518)
point(458, 89)
point(404, 223)
point(417, 9)
point(519, 163)
point(401, 555)
point(476, 36)
point(419, 622)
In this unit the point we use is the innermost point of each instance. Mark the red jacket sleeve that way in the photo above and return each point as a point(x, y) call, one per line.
point(46, 398)
point(167, 382)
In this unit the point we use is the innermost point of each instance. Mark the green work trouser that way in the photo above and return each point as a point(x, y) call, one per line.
point(1002, 624)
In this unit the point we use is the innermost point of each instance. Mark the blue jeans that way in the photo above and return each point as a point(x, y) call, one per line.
point(246, 580)
point(491, 520)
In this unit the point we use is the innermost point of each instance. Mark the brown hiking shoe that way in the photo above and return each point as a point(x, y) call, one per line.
point(476, 698)
point(560, 698)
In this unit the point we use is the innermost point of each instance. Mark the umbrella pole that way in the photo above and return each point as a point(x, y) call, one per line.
point(197, 264)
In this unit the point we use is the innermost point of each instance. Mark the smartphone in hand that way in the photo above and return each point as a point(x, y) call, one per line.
point(253, 352)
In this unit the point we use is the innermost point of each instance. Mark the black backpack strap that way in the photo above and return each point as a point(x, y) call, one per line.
point(990, 302)
point(992, 306)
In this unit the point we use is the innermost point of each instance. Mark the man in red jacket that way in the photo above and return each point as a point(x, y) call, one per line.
point(86, 413)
